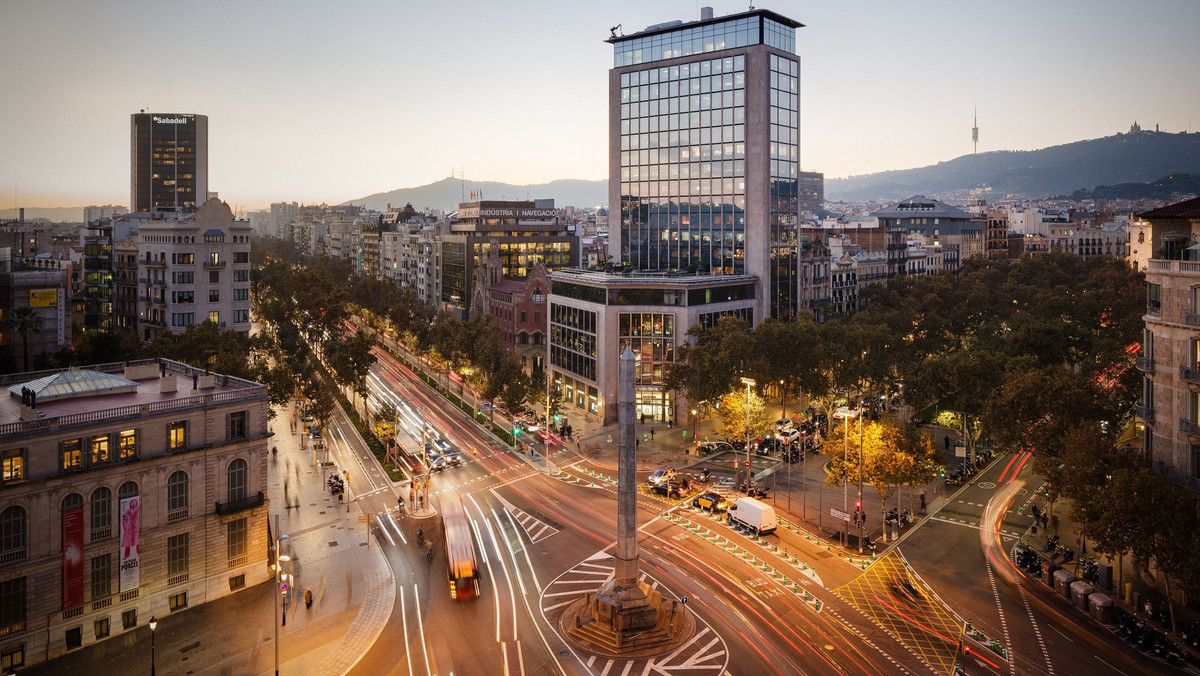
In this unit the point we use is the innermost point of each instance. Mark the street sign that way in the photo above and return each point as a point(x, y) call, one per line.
point(683, 600)
point(960, 451)
point(487, 404)
point(839, 514)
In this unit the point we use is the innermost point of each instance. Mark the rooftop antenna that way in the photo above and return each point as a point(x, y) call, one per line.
point(614, 30)
point(975, 131)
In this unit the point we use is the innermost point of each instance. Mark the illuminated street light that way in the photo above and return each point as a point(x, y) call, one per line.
point(749, 382)
point(846, 414)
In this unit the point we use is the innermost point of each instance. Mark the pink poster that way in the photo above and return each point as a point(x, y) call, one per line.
point(131, 516)
point(72, 546)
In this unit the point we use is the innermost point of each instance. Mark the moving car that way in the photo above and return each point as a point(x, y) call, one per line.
point(661, 476)
point(710, 500)
point(672, 489)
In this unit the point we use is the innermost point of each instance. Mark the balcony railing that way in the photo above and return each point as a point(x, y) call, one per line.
point(1191, 318)
point(249, 502)
point(1189, 374)
point(12, 555)
point(1189, 427)
point(1146, 413)
point(1145, 363)
point(1176, 477)
point(1153, 310)
point(212, 266)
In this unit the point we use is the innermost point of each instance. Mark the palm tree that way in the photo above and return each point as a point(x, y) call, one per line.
point(24, 320)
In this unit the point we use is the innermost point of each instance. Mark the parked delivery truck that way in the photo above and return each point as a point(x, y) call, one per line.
point(758, 516)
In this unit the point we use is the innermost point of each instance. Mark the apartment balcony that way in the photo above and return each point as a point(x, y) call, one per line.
point(1145, 364)
point(1146, 413)
point(155, 322)
point(1190, 428)
point(248, 502)
point(1176, 477)
point(209, 265)
point(1191, 377)
point(154, 264)
point(1191, 318)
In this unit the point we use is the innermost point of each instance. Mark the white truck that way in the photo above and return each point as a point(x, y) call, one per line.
point(758, 516)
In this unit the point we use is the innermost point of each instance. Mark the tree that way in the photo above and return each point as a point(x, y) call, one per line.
point(24, 320)
point(733, 416)
point(712, 361)
point(320, 400)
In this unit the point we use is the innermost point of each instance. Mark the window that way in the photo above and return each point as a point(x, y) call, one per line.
point(214, 258)
point(12, 657)
point(188, 277)
point(177, 435)
point(241, 256)
point(101, 627)
point(129, 618)
point(241, 275)
point(522, 316)
point(237, 582)
point(129, 489)
point(12, 534)
point(241, 294)
point(74, 638)
point(214, 316)
point(72, 454)
point(214, 276)
point(101, 576)
point(100, 449)
point(72, 501)
point(236, 424)
point(241, 316)
point(214, 296)
point(101, 514)
point(178, 601)
point(177, 496)
point(177, 555)
point(183, 258)
point(12, 606)
point(235, 481)
point(14, 464)
point(183, 318)
point(127, 444)
point(235, 542)
point(183, 296)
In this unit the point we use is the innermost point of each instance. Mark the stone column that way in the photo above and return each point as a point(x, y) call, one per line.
point(627, 552)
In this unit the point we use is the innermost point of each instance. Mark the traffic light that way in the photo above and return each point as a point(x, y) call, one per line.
point(516, 431)
point(735, 464)
point(557, 418)
point(857, 505)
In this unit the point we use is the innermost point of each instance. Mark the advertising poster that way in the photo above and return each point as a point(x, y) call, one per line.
point(131, 516)
point(72, 547)
point(43, 297)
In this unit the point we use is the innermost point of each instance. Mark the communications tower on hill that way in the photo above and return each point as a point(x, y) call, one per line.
point(975, 131)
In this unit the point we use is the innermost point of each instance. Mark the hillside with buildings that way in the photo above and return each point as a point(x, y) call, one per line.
point(1136, 156)
point(447, 193)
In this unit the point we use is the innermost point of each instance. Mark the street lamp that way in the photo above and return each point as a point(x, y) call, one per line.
point(153, 626)
point(846, 414)
point(275, 546)
point(749, 382)
point(695, 426)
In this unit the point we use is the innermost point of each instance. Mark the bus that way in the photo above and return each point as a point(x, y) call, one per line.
point(462, 568)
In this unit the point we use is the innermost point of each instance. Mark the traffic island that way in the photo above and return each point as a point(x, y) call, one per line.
point(619, 621)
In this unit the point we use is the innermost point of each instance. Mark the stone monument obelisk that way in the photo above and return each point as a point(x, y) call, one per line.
point(626, 616)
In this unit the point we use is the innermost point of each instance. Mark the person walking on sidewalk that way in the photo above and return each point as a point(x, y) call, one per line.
point(308, 598)
point(651, 434)
point(922, 501)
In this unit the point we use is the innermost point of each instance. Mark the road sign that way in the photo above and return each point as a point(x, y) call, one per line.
point(487, 404)
point(683, 600)
point(283, 587)
point(839, 514)
point(960, 451)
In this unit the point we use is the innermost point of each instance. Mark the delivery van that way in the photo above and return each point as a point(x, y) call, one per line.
point(758, 516)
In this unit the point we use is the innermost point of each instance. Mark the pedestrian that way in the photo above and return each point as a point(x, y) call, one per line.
point(922, 501)
point(651, 434)
point(308, 598)
point(947, 442)
point(637, 443)
point(643, 418)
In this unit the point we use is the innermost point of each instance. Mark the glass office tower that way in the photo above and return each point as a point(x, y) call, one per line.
point(168, 162)
point(704, 151)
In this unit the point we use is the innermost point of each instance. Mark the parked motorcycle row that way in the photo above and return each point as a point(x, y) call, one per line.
point(753, 490)
point(1147, 639)
point(336, 485)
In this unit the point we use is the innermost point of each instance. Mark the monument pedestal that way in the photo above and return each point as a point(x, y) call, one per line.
point(626, 620)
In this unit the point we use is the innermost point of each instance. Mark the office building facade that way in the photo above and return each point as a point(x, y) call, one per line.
point(168, 162)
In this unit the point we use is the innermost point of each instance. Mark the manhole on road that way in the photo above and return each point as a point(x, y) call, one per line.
point(986, 485)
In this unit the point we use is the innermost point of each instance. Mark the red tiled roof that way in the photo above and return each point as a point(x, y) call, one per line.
point(1185, 209)
point(508, 286)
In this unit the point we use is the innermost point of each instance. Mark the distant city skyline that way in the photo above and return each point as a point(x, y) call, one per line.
point(324, 103)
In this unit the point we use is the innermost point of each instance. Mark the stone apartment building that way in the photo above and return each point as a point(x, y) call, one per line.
point(128, 491)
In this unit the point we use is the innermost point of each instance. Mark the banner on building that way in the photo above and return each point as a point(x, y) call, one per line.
point(131, 516)
point(43, 297)
point(72, 548)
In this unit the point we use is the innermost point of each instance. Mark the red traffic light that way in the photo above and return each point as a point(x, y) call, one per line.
point(857, 505)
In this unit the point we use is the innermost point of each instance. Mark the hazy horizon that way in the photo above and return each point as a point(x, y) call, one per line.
point(322, 103)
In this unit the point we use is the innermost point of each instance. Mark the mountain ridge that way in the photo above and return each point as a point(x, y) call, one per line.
point(448, 192)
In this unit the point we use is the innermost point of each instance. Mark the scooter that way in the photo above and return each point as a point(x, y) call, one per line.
point(704, 475)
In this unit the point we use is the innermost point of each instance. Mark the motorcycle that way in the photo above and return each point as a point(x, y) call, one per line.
point(335, 484)
point(753, 490)
point(1051, 543)
point(704, 475)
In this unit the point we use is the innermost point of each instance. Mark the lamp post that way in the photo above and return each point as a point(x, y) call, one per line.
point(749, 382)
point(275, 545)
point(695, 426)
point(846, 414)
point(861, 520)
point(153, 626)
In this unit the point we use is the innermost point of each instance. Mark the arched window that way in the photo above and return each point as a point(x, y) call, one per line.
point(12, 534)
point(177, 496)
point(101, 514)
point(72, 501)
point(129, 489)
point(235, 481)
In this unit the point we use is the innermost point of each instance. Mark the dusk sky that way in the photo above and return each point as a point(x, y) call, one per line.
point(325, 102)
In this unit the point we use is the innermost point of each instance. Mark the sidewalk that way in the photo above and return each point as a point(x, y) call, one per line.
point(352, 590)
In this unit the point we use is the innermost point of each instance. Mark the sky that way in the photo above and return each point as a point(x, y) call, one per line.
point(331, 101)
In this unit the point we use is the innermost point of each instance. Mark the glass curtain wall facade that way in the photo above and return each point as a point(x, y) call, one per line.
point(651, 337)
point(683, 166)
point(170, 162)
point(784, 175)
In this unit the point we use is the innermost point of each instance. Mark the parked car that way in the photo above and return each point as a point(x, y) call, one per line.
point(783, 424)
point(314, 432)
point(661, 476)
point(788, 436)
point(672, 489)
point(710, 500)
point(765, 447)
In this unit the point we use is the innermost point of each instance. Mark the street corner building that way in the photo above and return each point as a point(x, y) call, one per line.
point(129, 490)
